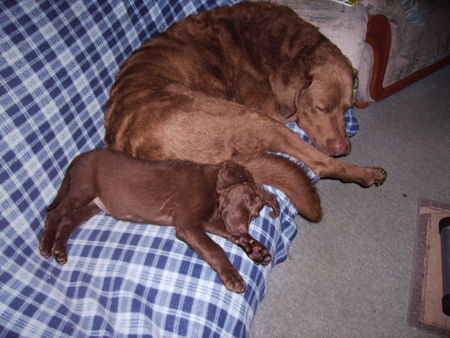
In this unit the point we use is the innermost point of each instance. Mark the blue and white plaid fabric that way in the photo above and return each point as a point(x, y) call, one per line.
point(58, 60)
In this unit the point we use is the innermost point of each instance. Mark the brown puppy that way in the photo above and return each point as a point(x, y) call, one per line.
point(223, 83)
point(221, 199)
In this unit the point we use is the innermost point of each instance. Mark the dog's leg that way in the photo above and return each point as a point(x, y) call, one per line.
point(255, 250)
point(68, 225)
point(279, 138)
point(212, 253)
point(53, 218)
point(245, 132)
point(50, 230)
point(61, 223)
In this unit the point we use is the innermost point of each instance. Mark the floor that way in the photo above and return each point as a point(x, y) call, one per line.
point(349, 275)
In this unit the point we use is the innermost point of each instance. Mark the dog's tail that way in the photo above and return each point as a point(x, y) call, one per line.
point(287, 176)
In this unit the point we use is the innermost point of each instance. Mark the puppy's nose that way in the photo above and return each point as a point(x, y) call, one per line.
point(243, 229)
point(338, 147)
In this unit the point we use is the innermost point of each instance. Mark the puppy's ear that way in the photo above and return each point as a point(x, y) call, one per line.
point(287, 83)
point(271, 201)
point(231, 173)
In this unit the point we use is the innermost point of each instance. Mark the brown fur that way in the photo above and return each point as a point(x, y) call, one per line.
point(223, 83)
point(195, 198)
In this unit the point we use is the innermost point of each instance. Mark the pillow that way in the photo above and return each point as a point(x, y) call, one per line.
point(345, 26)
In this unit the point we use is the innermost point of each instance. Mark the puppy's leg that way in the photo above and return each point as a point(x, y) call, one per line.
point(212, 253)
point(67, 226)
point(61, 222)
point(54, 216)
point(51, 228)
point(255, 250)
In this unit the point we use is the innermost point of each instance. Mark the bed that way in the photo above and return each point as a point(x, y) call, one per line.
point(58, 60)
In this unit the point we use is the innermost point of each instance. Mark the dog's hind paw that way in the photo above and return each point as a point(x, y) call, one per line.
point(45, 249)
point(51, 247)
point(60, 254)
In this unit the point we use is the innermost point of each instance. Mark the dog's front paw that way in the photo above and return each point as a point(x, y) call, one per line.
point(233, 280)
point(260, 254)
point(373, 176)
point(255, 250)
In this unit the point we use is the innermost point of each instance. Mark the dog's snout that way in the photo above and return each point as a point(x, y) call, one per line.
point(238, 229)
point(338, 147)
point(242, 229)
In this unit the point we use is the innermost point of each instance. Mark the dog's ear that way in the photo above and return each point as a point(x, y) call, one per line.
point(355, 85)
point(231, 173)
point(270, 200)
point(288, 82)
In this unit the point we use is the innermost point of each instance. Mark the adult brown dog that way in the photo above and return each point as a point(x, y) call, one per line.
point(220, 199)
point(223, 82)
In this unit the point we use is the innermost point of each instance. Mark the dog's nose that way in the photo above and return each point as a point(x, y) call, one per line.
point(243, 229)
point(338, 147)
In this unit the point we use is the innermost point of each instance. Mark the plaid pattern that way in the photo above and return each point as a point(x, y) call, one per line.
point(58, 60)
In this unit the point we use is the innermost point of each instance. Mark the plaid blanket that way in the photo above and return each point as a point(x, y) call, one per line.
point(58, 60)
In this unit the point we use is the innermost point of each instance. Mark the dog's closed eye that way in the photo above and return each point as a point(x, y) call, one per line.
point(249, 199)
point(325, 109)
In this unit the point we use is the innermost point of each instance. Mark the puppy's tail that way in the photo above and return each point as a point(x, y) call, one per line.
point(287, 176)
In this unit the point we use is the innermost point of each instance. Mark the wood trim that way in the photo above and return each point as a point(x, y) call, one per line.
point(361, 104)
point(379, 37)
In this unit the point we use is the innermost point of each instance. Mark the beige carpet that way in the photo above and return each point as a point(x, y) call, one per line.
point(350, 275)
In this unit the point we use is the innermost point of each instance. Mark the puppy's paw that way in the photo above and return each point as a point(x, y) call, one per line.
point(45, 248)
point(255, 250)
point(260, 254)
point(233, 280)
point(57, 248)
point(60, 253)
point(47, 243)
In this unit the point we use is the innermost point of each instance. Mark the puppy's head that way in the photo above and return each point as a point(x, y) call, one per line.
point(240, 198)
point(316, 95)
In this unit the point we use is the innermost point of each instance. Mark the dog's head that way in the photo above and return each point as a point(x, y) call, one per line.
point(241, 198)
point(315, 93)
